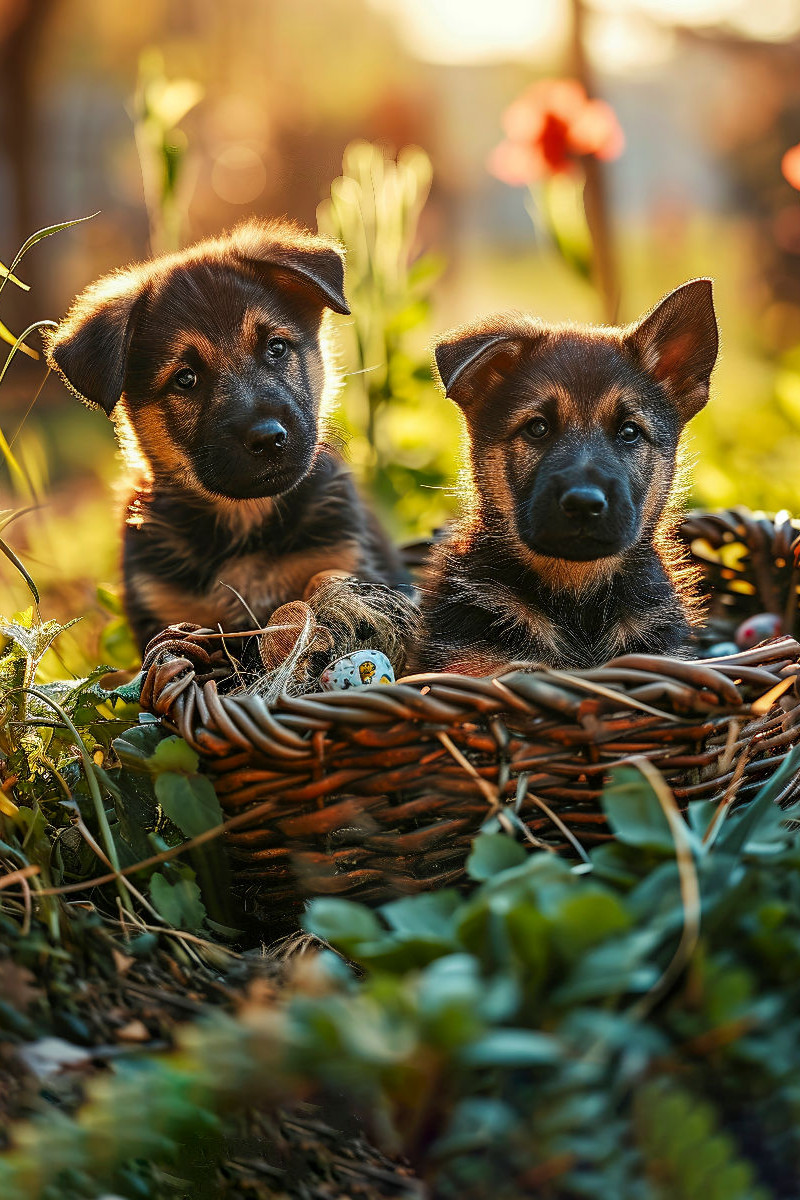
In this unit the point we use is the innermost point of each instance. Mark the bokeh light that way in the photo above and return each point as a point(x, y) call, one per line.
point(238, 174)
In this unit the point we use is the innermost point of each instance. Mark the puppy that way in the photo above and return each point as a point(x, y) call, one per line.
point(565, 554)
point(215, 366)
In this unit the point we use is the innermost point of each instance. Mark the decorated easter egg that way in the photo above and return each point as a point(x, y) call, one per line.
point(358, 669)
point(759, 628)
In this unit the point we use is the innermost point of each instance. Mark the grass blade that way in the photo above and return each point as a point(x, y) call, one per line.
point(18, 343)
point(12, 558)
point(7, 336)
point(9, 515)
point(14, 466)
point(90, 771)
point(38, 237)
point(6, 274)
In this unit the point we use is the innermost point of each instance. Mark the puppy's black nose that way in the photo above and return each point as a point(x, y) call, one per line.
point(579, 503)
point(266, 437)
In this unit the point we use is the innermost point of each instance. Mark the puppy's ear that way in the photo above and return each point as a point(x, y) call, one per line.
point(677, 344)
point(310, 263)
point(89, 349)
point(473, 361)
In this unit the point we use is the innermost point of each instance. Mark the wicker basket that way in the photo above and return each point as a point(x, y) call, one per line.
point(377, 791)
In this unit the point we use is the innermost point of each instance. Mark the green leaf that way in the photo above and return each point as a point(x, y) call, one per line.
point(618, 865)
point(174, 754)
point(33, 639)
point(397, 955)
point(189, 801)
point(136, 747)
point(476, 1123)
point(178, 903)
point(634, 811)
point(529, 934)
point(137, 811)
point(493, 853)
point(453, 981)
point(512, 1048)
point(700, 814)
point(613, 968)
point(129, 693)
point(474, 926)
point(109, 599)
point(342, 922)
point(587, 917)
point(761, 815)
point(428, 915)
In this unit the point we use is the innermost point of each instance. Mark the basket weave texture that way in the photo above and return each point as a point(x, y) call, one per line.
point(378, 791)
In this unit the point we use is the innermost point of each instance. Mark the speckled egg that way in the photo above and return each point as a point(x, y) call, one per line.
point(759, 628)
point(359, 669)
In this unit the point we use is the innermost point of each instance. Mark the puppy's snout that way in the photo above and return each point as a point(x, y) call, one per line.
point(266, 437)
point(583, 503)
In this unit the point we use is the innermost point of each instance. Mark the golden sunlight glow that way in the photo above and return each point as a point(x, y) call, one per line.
point(455, 31)
point(632, 34)
point(628, 43)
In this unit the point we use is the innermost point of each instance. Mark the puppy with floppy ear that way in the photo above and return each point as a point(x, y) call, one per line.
point(215, 366)
point(565, 552)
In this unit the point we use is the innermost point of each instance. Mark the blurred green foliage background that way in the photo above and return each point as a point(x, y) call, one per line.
point(375, 118)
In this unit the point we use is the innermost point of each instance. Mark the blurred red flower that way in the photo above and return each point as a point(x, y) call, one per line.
point(549, 128)
point(790, 165)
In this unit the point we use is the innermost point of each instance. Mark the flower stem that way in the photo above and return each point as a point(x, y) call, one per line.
point(595, 194)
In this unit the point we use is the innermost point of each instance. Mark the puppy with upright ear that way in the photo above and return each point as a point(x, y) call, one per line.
point(565, 553)
point(215, 366)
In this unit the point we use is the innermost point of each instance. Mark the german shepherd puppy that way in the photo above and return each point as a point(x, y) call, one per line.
point(565, 554)
point(216, 367)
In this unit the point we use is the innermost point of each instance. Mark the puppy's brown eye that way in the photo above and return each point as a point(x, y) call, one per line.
point(537, 429)
point(629, 432)
point(277, 347)
point(186, 378)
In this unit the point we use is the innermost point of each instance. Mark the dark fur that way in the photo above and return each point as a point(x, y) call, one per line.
point(526, 574)
point(216, 500)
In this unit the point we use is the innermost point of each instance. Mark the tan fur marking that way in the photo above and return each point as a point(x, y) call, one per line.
point(568, 411)
point(242, 516)
point(193, 339)
point(263, 585)
point(493, 478)
point(562, 574)
point(473, 662)
point(630, 629)
point(165, 373)
point(650, 358)
point(607, 405)
point(327, 375)
point(657, 492)
point(145, 442)
point(540, 628)
point(254, 321)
